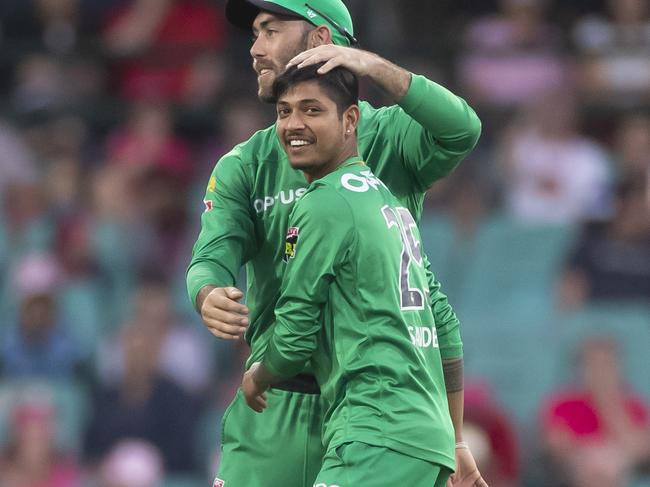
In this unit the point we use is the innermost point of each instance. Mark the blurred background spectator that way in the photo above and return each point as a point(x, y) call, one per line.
point(611, 260)
point(598, 432)
point(632, 147)
point(38, 344)
point(552, 173)
point(31, 456)
point(132, 463)
point(159, 47)
point(512, 55)
point(112, 115)
point(492, 437)
point(614, 53)
point(142, 402)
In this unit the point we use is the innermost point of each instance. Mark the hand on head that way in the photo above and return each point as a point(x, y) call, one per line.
point(355, 60)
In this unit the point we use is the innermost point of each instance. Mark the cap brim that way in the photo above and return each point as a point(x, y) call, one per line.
point(242, 13)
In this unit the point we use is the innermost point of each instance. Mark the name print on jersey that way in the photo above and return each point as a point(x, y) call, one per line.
point(284, 197)
point(423, 336)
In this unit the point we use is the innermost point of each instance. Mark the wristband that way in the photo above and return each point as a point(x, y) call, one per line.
point(462, 445)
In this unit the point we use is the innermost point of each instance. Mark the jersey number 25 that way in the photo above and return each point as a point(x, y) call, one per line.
point(410, 298)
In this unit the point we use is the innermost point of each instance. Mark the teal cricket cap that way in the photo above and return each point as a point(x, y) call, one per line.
point(332, 13)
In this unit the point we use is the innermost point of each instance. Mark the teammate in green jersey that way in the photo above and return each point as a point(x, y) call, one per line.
point(353, 301)
point(250, 194)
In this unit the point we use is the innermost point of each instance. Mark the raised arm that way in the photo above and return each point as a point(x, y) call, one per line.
point(224, 244)
point(432, 128)
point(393, 79)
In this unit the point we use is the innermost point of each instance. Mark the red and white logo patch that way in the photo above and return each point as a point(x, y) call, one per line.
point(208, 204)
point(218, 482)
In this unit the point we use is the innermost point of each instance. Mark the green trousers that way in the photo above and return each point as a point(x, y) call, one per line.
point(282, 446)
point(278, 447)
point(357, 464)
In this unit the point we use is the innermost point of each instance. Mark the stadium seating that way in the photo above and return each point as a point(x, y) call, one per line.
point(513, 267)
point(444, 250)
point(80, 309)
point(507, 267)
point(501, 285)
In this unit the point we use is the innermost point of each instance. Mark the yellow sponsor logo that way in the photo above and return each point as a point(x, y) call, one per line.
point(290, 244)
point(290, 250)
point(212, 184)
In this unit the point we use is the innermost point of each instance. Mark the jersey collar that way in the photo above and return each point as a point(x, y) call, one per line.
point(353, 161)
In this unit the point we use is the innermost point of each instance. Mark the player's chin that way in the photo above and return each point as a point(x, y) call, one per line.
point(300, 164)
point(265, 92)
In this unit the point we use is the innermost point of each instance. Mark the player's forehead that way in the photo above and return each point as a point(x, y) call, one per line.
point(267, 19)
point(305, 91)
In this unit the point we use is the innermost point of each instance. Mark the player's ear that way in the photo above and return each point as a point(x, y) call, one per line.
point(319, 36)
point(351, 119)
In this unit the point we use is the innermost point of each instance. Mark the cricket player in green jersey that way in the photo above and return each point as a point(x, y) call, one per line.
point(353, 301)
point(248, 200)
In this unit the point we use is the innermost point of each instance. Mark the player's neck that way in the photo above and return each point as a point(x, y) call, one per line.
point(347, 151)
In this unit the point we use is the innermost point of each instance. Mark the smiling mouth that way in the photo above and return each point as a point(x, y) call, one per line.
point(297, 146)
point(298, 143)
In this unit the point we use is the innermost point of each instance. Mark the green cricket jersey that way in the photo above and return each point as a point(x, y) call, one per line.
point(253, 188)
point(354, 302)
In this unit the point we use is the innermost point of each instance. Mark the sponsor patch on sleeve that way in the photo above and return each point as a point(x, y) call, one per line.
point(208, 205)
point(212, 184)
point(290, 243)
point(218, 482)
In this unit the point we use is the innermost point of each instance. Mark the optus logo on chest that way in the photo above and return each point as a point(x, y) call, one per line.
point(284, 197)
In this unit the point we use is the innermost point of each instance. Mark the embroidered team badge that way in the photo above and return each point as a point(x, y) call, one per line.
point(218, 482)
point(290, 244)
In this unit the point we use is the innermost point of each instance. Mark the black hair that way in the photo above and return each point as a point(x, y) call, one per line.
point(340, 84)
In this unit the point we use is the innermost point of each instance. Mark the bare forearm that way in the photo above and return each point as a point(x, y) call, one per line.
point(390, 77)
point(453, 371)
point(394, 80)
point(263, 376)
point(467, 472)
point(456, 406)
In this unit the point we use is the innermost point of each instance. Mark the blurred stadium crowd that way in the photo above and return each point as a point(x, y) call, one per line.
point(112, 115)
